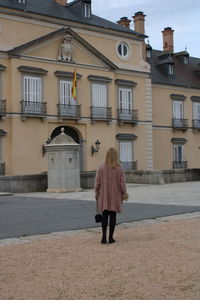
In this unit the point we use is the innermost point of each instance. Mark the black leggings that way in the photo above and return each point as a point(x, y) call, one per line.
point(112, 223)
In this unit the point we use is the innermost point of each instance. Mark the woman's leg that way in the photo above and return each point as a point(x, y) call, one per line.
point(112, 226)
point(104, 225)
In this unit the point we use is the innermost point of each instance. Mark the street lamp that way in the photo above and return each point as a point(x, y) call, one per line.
point(96, 148)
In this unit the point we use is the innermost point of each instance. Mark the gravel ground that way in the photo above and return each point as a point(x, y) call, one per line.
point(148, 262)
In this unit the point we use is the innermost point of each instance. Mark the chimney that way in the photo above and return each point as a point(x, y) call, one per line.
point(61, 2)
point(168, 39)
point(124, 21)
point(139, 19)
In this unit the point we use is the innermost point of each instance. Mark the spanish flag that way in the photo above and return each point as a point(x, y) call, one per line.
point(74, 84)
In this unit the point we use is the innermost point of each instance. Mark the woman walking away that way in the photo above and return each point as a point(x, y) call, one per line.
point(110, 187)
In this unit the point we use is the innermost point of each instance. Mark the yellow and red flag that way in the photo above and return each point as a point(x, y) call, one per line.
point(74, 84)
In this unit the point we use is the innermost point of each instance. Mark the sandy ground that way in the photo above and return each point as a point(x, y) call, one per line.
point(148, 262)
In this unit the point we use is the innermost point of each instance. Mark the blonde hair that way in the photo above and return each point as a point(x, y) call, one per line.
point(112, 160)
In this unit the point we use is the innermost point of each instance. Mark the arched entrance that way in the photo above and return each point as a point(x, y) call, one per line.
point(68, 130)
point(77, 137)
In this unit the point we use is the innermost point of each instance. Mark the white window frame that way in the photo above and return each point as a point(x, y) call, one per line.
point(22, 1)
point(125, 98)
point(178, 154)
point(196, 110)
point(126, 155)
point(99, 94)
point(124, 48)
point(186, 60)
point(178, 113)
point(86, 10)
point(125, 102)
point(65, 92)
point(171, 69)
point(32, 88)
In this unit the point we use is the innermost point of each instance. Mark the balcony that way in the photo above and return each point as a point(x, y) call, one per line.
point(181, 124)
point(179, 164)
point(68, 111)
point(33, 109)
point(127, 116)
point(2, 168)
point(196, 124)
point(129, 165)
point(100, 113)
point(2, 108)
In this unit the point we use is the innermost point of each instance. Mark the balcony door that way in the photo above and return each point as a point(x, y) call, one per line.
point(67, 103)
point(32, 94)
point(196, 114)
point(178, 113)
point(179, 153)
point(125, 103)
point(126, 154)
point(99, 100)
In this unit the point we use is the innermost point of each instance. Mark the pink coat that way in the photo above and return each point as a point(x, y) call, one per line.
point(109, 186)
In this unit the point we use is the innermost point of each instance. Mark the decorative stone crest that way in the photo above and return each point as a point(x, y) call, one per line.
point(65, 51)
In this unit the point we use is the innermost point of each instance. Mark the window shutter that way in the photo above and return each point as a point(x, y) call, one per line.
point(125, 98)
point(177, 109)
point(126, 154)
point(99, 95)
point(32, 89)
point(66, 92)
point(196, 111)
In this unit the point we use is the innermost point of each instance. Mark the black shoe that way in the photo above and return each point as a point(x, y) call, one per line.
point(103, 241)
point(111, 240)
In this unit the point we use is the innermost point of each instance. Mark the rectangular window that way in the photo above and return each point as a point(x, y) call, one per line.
point(32, 89)
point(22, 1)
point(67, 105)
point(126, 154)
point(178, 120)
point(86, 10)
point(186, 60)
point(66, 92)
point(99, 101)
point(170, 69)
point(99, 95)
point(125, 98)
point(179, 156)
point(196, 111)
point(125, 103)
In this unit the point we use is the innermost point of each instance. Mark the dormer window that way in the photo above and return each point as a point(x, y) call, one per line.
point(148, 50)
point(186, 60)
point(170, 69)
point(22, 1)
point(86, 10)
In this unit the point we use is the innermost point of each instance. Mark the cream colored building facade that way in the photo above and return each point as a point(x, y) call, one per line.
point(117, 102)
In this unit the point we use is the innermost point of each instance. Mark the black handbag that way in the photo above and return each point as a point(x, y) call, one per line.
point(98, 218)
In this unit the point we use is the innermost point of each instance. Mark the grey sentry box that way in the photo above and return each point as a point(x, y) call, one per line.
point(63, 164)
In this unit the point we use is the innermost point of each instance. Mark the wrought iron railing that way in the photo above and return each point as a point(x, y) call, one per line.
point(127, 115)
point(196, 123)
point(180, 123)
point(101, 113)
point(2, 168)
point(33, 108)
point(69, 111)
point(2, 108)
point(129, 165)
point(179, 164)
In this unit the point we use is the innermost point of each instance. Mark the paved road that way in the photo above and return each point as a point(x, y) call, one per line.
point(40, 213)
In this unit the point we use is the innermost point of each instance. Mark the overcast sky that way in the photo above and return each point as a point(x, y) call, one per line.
point(182, 15)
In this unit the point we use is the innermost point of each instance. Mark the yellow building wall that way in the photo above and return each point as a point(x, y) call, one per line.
point(163, 131)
